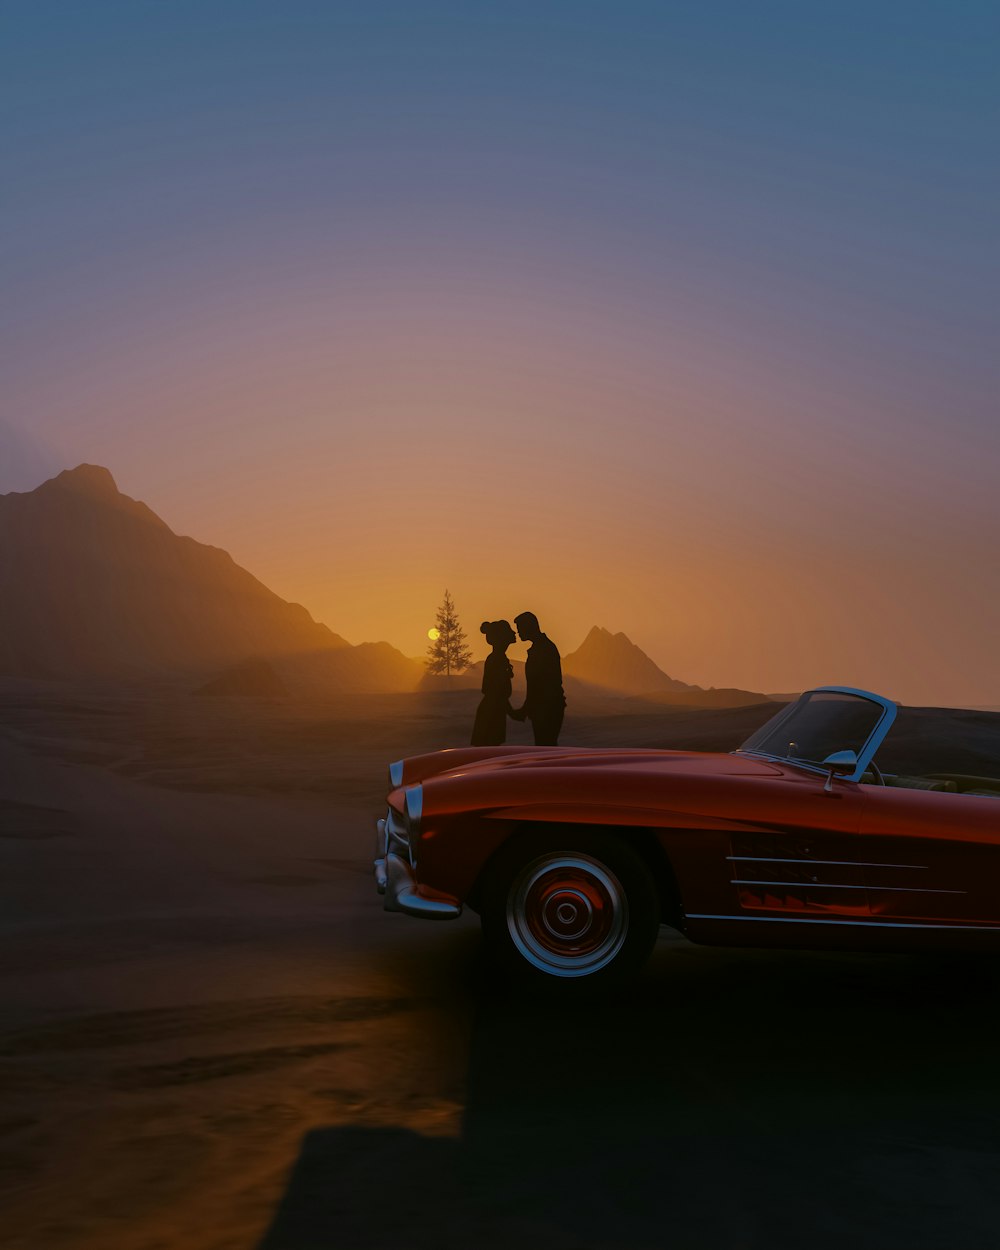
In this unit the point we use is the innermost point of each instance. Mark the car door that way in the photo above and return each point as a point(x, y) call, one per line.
point(808, 865)
point(934, 857)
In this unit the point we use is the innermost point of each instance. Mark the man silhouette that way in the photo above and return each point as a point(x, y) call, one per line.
point(545, 702)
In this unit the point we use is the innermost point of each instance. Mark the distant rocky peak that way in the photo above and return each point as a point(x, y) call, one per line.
point(614, 661)
point(92, 487)
point(86, 479)
point(601, 637)
point(93, 582)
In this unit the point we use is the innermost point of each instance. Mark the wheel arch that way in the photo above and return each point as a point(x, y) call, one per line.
point(644, 841)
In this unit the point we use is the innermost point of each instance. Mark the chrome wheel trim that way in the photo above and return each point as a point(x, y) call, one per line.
point(567, 914)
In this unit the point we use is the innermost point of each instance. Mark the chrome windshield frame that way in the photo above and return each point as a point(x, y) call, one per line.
point(868, 750)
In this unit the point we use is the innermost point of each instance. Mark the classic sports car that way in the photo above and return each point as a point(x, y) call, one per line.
point(575, 856)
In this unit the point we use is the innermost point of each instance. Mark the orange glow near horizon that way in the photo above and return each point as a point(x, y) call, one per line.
point(526, 459)
point(532, 449)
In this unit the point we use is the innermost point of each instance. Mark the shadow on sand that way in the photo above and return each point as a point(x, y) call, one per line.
point(731, 1099)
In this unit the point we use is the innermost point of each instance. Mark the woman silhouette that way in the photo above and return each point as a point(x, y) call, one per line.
point(490, 727)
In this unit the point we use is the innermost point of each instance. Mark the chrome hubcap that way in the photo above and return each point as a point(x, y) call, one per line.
point(567, 914)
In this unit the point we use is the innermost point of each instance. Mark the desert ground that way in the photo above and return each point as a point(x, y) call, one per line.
point(212, 1036)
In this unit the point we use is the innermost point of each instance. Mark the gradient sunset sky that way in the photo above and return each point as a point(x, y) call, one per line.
point(680, 319)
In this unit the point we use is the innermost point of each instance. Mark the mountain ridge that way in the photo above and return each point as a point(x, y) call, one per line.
point(613, 660)
point(93, 582)
point(614, 663)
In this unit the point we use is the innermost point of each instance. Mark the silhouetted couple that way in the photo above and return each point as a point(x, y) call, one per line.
point(544, 702)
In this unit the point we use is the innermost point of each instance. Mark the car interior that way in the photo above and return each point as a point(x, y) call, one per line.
point(944, 783)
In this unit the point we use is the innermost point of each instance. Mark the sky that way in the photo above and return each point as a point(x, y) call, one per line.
point(678, 319)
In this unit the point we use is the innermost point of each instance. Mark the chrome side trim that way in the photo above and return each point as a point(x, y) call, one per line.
point(840, 863)
point(829, 885)
point(396, 774)
point(401, 894)
point(871, 924)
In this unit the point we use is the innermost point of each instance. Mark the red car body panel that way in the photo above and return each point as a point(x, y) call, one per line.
point(950, 839)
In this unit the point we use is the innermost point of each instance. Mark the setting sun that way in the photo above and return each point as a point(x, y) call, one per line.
point(433, 634)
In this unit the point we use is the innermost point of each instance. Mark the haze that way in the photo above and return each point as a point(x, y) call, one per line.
point(675, 319)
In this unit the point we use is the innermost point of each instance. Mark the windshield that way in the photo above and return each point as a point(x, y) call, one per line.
point(819, 723)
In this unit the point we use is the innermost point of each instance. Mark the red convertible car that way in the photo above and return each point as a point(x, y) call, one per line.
point(575, 856)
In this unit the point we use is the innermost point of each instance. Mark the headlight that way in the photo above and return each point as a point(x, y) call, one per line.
point(396, 774)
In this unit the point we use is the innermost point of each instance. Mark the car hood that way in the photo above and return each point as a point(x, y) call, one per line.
point(686, 762)
point(645, 786)
point(524, 761)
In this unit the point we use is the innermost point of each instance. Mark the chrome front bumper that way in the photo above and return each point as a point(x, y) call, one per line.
point(396, 882)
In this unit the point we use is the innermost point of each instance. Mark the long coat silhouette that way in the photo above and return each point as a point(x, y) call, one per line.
point(545, 701)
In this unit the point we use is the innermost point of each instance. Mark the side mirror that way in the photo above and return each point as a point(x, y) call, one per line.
point(840, 764)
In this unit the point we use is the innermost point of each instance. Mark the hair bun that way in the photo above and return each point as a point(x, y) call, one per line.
point(484, 627)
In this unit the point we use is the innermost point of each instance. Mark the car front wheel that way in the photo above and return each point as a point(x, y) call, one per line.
point(574, 908)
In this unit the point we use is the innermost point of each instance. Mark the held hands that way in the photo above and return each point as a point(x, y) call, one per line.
point(516, 713)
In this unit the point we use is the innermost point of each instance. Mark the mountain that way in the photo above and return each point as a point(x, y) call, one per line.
point(606, 666)
point(252, 678)
point(614, 662)
point(93, 583)
point(369, 668)
point(721, 697)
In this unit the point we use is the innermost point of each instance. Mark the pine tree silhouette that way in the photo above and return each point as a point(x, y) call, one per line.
point(448, 653)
